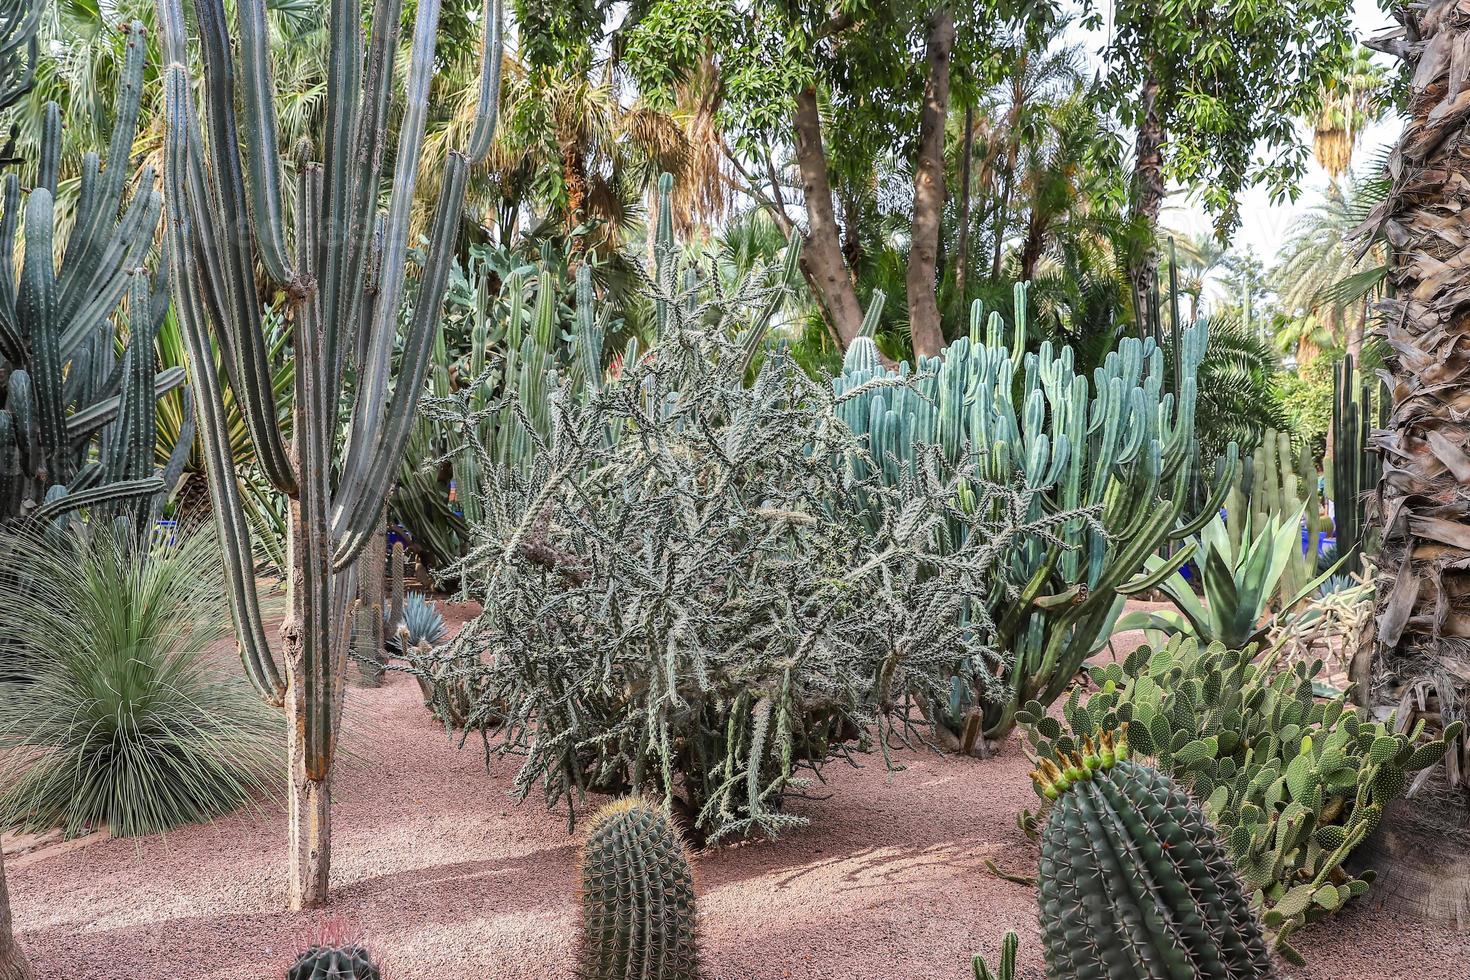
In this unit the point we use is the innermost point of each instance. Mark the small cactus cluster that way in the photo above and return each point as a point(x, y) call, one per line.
point(1294, 782)
point(638, 907)
point(1006, 970)
point(1134, 880)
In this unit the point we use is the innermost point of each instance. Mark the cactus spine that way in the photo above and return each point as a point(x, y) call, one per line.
point(1120, 442)
point(638, 914)
point(1134, 882)
point(345, 278)
point(334, 963)
point(73, 421)
point(19, 48)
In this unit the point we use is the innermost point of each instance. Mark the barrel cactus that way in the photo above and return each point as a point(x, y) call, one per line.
point(1134, 881)
point(334, 963)
point(638, 913)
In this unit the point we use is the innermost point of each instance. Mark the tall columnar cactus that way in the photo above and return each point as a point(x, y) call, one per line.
point(344, 272)
point(638, 915)
point(1134, 881)
point(19, 48)
point(1120, 442)
point(77, 428)
point(1273, 483)
point(1354, 468)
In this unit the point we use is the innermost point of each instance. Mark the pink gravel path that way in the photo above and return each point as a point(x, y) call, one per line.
point(437, 870)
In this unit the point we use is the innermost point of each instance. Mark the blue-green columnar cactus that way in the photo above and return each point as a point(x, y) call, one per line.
point(78, 428)
point(1134, 881)
point(1118, 440)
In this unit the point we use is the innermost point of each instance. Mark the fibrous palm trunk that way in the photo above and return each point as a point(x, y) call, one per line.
point(1421, 664)
point(13, 964)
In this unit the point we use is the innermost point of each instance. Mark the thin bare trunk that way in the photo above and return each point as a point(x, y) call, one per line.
point(1002, 217)
point(821, 254)
point(1422, 506)
point(852, 244)
point(924, 324)
point(1148, 196)
point(962, 248)
point(13, 963)
point(309, 800)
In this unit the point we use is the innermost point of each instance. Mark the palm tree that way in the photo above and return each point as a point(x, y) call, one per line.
point(1323, 272)
point(1422, 657)
point(1196, 256)
point(1354, 100)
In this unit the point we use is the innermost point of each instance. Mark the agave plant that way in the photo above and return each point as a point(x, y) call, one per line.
point(113, 711)
point(1239, 578)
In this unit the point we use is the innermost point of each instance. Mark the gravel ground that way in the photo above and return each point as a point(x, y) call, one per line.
point(447, 879)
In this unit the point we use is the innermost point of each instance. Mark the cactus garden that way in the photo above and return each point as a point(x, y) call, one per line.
point(713, 490)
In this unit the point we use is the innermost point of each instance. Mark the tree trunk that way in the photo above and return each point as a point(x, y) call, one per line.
point(13, 963)
point(852, 244)
point(1002, 218)
point(314, 640)
point(1422, 505)
point(1032, 246)
point(1148, 197)
point(962, 248)
point(924, 324)
point(821, 253)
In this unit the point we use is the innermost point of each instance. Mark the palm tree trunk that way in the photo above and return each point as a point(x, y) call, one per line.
point(1148, 197)
point(1423, 500)
point(962, 250)
point(821, 253)
point(924, 324)
point(13, 963)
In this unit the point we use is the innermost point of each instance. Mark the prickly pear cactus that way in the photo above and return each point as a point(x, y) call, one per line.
point(1134, 881)
point(334, 963)
point(638, 914)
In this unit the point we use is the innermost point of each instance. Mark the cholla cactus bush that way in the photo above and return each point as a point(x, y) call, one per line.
point(1294, 782)
point(698, 590)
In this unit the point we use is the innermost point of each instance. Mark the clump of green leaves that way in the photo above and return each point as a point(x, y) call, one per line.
point(695, 592)
point(1294, 782)
point(114, 712)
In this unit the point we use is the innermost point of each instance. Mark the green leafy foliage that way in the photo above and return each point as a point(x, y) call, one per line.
point(114, 711)
point(1231, 85)
point(1293, 782)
